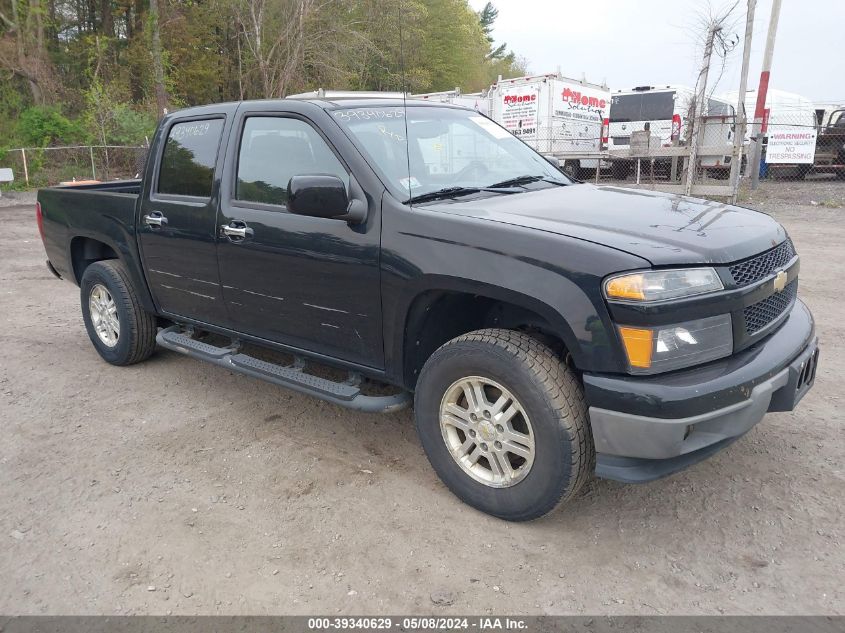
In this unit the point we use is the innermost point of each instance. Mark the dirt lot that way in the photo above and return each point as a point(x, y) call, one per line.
point(174, 486)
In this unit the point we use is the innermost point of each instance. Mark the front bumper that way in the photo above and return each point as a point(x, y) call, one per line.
point(649, 427)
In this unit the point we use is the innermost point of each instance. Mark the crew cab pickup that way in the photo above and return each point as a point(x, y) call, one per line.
point(549, 330)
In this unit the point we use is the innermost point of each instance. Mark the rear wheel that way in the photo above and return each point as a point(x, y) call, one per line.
point(504, 423)
point(122, 332)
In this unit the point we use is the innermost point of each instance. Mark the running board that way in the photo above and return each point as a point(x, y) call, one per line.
point(346, 394)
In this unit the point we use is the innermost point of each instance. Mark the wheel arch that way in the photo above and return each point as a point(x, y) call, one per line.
point(447, 308)
point(84, 250)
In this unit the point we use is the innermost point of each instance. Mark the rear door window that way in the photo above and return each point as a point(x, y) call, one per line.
point(643, 106)
point(273, 150)
point(625, 108)
point(190, 154)
point(657, 106)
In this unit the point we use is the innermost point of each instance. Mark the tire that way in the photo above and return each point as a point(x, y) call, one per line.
point(572, 168)
point(553, 409)
point(136, 331)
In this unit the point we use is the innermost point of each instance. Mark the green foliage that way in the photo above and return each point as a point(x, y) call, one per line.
point(130, 127)
point(40, 126)
point(451, 22)
point(486, 17)
point(94, 58)
point(12, 103)
point(444, 44)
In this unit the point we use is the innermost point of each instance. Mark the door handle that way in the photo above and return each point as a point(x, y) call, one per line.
point(241, 232)
point(155, 218)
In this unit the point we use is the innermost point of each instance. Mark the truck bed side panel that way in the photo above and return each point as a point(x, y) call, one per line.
point(73, 213)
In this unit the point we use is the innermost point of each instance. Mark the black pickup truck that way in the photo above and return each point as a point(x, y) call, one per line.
point(550, 330)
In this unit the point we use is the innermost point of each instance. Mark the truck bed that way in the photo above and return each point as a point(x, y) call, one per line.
point(113, 186)
point(101, 211)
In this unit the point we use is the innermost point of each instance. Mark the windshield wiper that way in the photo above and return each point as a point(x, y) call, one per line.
point(454, 192)
point(446, 192)
point(525, 180)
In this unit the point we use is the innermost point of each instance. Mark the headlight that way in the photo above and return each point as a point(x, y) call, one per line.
point(659, 285)
point(668, 347)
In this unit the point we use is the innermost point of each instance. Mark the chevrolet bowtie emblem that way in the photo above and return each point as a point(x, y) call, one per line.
point(780, 281)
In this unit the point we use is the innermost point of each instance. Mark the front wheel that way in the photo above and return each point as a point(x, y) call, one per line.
point(504, 423)
point(121, 330)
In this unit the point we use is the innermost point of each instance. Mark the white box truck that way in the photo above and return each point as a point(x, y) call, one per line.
point(558, 116)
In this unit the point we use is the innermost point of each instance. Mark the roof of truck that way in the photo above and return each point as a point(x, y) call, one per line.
point(325, 103)
point(377, 102)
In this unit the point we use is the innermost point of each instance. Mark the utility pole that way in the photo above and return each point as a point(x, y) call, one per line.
point(741, 120)
point(698, 112)
point(762, 91)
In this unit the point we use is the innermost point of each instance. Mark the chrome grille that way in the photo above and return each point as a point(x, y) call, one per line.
point(760, 314)
point(760, 266)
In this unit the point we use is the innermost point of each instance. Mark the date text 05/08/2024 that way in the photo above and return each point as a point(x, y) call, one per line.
point(417, 623)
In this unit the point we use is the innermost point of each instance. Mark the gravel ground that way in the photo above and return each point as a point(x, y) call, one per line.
point(175, 486)
point(17, 198)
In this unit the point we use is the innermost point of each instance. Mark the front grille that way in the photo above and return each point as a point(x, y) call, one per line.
point(759, 315)
point(760, 266)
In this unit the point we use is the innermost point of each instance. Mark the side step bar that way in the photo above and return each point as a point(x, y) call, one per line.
point(346, 394)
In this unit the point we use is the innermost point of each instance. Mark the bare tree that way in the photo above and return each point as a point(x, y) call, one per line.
point(24, 54)
point(283, 38)
point(714, 26)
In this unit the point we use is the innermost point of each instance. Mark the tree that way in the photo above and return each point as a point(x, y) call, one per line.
point(113, 65)
point(487, 16)
point(162, 102)
point(22, 49)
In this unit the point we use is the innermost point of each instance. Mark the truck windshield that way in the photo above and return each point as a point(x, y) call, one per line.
point(453, 149)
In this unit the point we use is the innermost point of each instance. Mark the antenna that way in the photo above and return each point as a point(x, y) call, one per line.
point(404, 98)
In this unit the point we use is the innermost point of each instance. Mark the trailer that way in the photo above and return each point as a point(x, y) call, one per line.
point(830, 144)
point(558, 116)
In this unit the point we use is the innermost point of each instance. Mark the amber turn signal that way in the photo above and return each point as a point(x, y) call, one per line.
point(638, 345)
point(627, 287)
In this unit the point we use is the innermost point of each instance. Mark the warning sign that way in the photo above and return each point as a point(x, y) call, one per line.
point(793, 146)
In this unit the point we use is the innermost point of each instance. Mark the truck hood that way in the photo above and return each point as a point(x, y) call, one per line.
point(665, 229)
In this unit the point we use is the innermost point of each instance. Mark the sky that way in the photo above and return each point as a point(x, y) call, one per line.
point(629, 43)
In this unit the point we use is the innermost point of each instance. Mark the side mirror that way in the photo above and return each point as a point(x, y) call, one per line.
point(323, 196)
point(553, 161)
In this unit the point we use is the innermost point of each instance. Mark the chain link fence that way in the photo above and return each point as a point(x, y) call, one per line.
point(795, 145)
point(46, 166)
point(794, 148)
